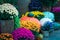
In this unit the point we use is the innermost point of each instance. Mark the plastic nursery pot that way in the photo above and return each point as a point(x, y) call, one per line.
point(4, 24)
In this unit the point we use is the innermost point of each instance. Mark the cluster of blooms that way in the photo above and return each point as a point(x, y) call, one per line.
point(56, 9)
point(30, 23)
point(6, 36)
point(46, 24)
point(35, 5)
point(44, 20)
point(23, 34)
point(9, 9)
point(49, 15)
point(36, 14)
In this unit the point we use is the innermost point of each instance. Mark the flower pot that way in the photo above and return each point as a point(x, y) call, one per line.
point(7, 26)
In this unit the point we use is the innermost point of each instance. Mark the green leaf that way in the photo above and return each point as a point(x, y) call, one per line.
point(16, 22)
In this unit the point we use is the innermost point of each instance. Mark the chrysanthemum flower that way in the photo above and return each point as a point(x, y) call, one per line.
point(9, 9)
point(49, 15)
point(22, 34)
point(36, 14)
point(30, 23)
point(6, 36)
point(45, 20)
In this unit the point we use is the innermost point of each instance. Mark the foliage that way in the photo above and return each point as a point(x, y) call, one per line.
point(48, 3)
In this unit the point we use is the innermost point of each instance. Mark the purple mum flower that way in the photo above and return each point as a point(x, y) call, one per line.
point(22, 34)
point(56, 9)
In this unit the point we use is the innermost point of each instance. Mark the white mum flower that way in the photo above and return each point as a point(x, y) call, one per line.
point(11, 16)
point(9, 9)
point(1, 8)
point(44, 20)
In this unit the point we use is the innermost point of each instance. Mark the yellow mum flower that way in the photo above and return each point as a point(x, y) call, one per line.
point(36, 14)
point(30, 23)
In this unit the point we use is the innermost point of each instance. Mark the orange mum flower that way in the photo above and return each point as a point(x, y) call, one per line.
point(30, 23)
point(6, 36)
